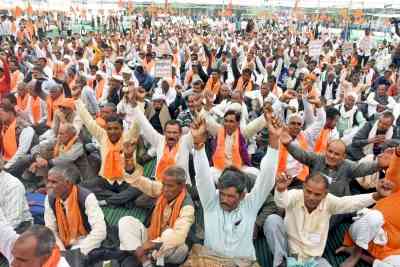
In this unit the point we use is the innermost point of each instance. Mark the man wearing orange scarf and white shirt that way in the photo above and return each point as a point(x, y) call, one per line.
point(172, 148)
point(329, 131)
point(16, 139)
point(170, 222)
point(109, 187)
point(36, 247)
point(303, 138)
point(73, 214)
point(36, 108)
point(231, 147)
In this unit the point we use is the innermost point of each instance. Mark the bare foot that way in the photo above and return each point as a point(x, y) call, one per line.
point(353, 259)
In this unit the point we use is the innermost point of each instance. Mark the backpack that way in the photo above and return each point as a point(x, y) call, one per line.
point(36, 206)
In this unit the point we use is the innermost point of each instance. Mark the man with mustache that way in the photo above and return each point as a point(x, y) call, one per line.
point(230, 212)
point(300, 238)
point(172, 148)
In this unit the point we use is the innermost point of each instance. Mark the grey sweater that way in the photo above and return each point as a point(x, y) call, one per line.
point(341, 176)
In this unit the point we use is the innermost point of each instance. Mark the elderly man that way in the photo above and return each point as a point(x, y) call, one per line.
point(170, 221)
point(377, 230)
point(334, 164)
point(52, 100)
point(65, 149)
point(300, 239)
point(157, 112)
point(17, 138)
point(303, 138)
point(230, 212)
point(374, 137)
point(36, 247)
point(379, 101)
point(73, 214)
point(351, 119)
point(13, 202)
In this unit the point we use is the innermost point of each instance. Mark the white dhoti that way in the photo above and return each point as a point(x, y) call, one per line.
point(132, 234)
point(368, 228)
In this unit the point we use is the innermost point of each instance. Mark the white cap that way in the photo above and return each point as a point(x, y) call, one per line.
point(158, 96)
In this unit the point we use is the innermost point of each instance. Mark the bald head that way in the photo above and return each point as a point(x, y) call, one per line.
point(335, 153)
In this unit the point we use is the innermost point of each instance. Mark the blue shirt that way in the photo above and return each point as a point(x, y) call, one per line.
point(230, 234)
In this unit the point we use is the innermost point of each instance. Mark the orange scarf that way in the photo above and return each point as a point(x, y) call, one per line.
point(283, 156)
point(175, 59)
point(54, 259)
point(157, 223)
point(219, 154)
point(62, 148)
point(114, 164)
point(244, 86)
point(15, 79)
point(69, 227)
point(52, 106)
point(101, 122)
point(213, 86)
point(9, 141)
point(36, 109)
point(22, 102)
point(322, 141)
point(168, 159)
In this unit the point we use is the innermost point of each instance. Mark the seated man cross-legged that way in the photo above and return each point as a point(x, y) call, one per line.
point(170, 221)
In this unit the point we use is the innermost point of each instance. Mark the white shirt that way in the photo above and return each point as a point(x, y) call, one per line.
point(158, 142)
point(96, 220)
point(373, 104)
point(24, 144)
point(7, 239)
point(308, 232)
point(13, 202)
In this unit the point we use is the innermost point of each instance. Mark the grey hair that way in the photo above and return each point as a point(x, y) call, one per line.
point(67, 171)
point(295, 115)
point(45, 239)
point(109, 105)
point(70, 128)
point(178, 173)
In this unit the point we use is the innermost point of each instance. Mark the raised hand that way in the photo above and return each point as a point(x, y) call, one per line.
point(198, 131)
point(283, 181)
point(315, 101)
point(274, 126)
